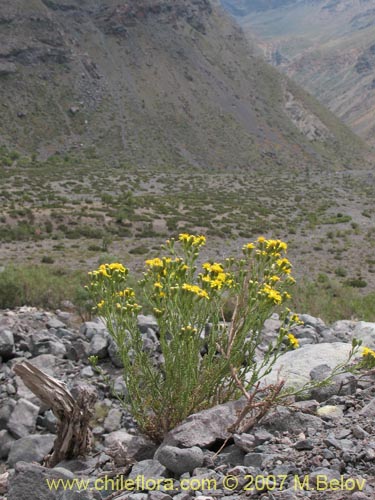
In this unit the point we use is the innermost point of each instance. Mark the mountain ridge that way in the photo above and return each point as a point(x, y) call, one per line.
point(327, 46)
point(152, 81)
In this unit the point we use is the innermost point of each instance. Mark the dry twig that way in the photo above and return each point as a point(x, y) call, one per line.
point(73, 414)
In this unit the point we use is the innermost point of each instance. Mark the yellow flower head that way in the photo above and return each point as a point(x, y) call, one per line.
point(272, 294)
point(293, 341)
point(276, 246)
point(116, 266)
point(213, 268)
point(190, 239)
point(196, 290)
point(284, 265)
point(154, 262)
point(367, 352)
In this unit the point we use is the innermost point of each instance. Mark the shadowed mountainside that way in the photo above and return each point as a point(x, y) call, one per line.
point(154, 82)
point(327, 46)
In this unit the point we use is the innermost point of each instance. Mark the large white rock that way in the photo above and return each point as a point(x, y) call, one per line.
point(366, 332)
point(295, 366)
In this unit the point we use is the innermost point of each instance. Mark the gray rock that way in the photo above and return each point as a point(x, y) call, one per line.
point(55, 323)
point(91, 328)
point(369, 409)
point(87, 371)
point(231, 455)
point(283, 419)
point(359, 433)
point(158, 495)
point(307, 333)
point(120, 386)
point(114, 355)
point(366, 332)
point(78, 350)
point(295, 366)
point(330, 412)
point(151, 469)
point(49, 421)
point(6, 441)
point(343, 384)
point(78, 465)
point(146, 322)
point(30, 483)
point(320, 372)
point(183, 496)
point(204, 428)
point(328, 474)
point(7, 68)
point(245, 441)
point(304, 444)
point(112, 421)
point(22, 421)
point(261, 436)
point(180, 460)
point(42, 343)
point(343, 330)
point(6, 343)
point(136, 447)
point(257, 459)
point(31, 448)
point(316, 323)
point(98, 346)
point(6, 409)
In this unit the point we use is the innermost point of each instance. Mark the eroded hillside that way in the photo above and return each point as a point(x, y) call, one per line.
point(150, 81)
point(327, 46)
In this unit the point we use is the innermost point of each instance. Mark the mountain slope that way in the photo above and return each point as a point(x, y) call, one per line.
point(153, 81)
point(327, 46)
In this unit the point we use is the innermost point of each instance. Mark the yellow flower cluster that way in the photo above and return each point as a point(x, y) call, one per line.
point(296, 319)
point(284, 266)
point(266, 248)
point(107, 270)
point(154, 262)
point(248, 246)
point(276, 246)
point(191, 240)
point(216, 277)
point(213, 268)
point(293, 341)
point(196, 290)
point(367, 352)
point(127, 293)
point(272, 294)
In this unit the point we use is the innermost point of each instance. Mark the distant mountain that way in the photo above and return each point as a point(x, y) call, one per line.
point(154, 81)
point(327, 46)
point(244, 7)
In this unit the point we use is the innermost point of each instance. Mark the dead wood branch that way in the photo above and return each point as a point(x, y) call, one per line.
point(73, 413)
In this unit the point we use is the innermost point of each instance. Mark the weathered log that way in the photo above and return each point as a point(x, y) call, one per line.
point(73, 413)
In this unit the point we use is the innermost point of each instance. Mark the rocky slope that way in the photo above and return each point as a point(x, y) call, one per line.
point(326, 46)
point(328, 438)
point(151, 81)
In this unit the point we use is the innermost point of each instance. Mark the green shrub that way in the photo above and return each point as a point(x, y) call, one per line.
point(37, 286)
point(47, 259)
point(183, 303)
point(140, 250)
point(356, 282)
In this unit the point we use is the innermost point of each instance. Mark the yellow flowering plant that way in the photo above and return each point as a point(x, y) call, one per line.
point(205, 360)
